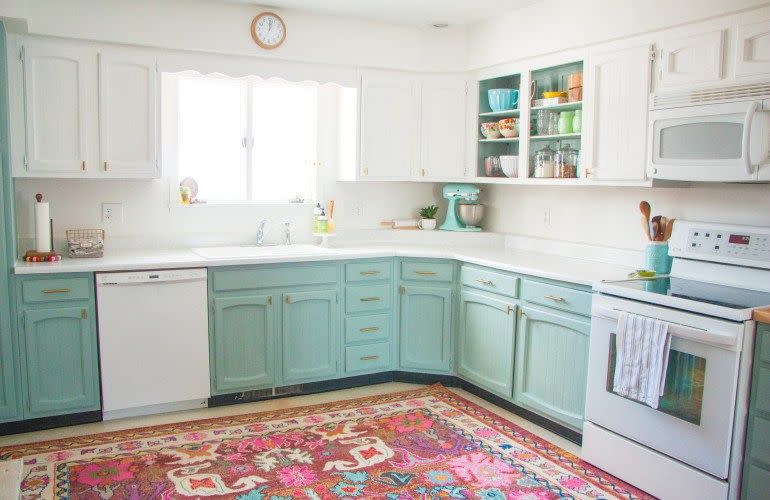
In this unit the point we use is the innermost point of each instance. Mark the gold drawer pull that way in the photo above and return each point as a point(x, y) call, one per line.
point(370, 299)
point(369, 273)
point(57, 290)
point(425, 273)
point(486, 282)
point(369, 358)
point(369, 329)
point(554, 298)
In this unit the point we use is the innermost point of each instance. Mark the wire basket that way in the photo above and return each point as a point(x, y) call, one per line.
point(85, 243)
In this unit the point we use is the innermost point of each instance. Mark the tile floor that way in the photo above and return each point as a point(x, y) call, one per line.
point(289, 402)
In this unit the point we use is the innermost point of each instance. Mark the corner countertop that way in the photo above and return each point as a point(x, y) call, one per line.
point(556, 267)
point(762, 315)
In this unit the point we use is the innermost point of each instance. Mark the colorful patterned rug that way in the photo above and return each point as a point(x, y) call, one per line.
point(423, 444)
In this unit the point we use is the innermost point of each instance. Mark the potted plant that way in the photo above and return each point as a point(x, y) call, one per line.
point(428, 217)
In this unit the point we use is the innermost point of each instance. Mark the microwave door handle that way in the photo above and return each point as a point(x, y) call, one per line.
point(746, 142)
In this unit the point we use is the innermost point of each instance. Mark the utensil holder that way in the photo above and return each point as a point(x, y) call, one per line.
point(656, 257)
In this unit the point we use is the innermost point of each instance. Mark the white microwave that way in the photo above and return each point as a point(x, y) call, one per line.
point(704, 136)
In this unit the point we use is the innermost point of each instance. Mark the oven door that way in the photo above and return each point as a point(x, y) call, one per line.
point(710, 142)
point(694, 420)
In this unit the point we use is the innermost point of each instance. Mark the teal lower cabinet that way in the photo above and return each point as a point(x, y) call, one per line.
point(425, 327)
point(551, 363)
point(58, 345)
point(310, 334)
point(485, 341)
point(243, 340)
point(756, 463)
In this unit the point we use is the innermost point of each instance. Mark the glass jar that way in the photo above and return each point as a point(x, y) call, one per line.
point(544, 163)
point(565, 122)
point(566, 161)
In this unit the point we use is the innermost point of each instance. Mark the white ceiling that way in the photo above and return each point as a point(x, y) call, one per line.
point(405, 12)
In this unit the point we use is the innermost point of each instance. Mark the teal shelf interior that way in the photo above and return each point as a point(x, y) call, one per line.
point(495, 148)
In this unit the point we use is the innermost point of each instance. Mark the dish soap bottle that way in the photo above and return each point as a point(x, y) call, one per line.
point(323, 223)
point(317, 211)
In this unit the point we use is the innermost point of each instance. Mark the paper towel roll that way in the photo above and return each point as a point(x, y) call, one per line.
point(42, 227)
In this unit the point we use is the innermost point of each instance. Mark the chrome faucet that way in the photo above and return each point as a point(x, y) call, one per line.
point(287, 233)
point(261, 232)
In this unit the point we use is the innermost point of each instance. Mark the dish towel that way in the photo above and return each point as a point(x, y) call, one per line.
point(642, 346)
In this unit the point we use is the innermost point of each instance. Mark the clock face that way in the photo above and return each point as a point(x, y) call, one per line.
point(268, 30)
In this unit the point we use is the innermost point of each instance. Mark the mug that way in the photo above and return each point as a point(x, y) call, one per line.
point(427, 224)
point(565, 122)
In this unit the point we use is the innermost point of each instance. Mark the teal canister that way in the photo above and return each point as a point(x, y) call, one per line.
point(656, 257)
point(577, 121)
point(565, 122)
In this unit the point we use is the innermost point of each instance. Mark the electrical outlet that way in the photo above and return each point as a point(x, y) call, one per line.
point(112, 213)
point(547, 216)
point(357, 209)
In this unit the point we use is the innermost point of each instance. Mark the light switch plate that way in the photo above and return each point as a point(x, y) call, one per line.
point(112, 213)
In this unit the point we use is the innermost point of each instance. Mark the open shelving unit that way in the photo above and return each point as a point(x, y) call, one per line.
point(501, 146)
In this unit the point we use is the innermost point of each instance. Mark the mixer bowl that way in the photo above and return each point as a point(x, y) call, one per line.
point(470, 214)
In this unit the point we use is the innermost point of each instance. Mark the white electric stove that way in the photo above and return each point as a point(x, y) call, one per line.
point(691, 446)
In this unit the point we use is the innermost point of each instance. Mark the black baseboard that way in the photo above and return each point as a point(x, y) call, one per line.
point(41, 424)
point(396, 376)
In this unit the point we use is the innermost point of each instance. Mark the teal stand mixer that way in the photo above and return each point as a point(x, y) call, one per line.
point(460, 194)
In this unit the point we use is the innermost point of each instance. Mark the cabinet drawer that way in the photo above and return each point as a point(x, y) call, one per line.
point(759, 449)
point(427, 271)
point(367, 271)
point(273, 276)
point(367, 328)
point(365, 298)
point(491, 281)
point(57, 289)
point(367, 357)
point(557, 297)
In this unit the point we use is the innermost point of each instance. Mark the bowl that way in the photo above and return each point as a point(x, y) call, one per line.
point(470, 214)
point(490, 130)
point(509, 164)
point(502, 99)
point(551, 95)
point(507, 127)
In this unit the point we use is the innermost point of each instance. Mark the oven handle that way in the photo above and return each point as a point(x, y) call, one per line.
point(748, 121)
point(680, 331)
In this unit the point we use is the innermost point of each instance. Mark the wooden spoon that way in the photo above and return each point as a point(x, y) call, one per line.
point(644, 207)
point(663, 227)
point(669, 230)
point(657, 229)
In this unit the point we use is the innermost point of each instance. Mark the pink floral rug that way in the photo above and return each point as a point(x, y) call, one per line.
point(423, 444)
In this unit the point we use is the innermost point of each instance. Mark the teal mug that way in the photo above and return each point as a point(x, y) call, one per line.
point(656, 257)
point(565, 122)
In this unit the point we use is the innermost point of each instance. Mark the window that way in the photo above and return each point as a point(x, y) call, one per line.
point(246, 139)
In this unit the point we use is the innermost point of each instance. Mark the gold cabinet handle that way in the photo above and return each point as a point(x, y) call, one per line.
point(370, 299)
point(425, 273)
point(83, 165)
point(105, 166)
point(509, 310)
point(57, 290)
point(84, 313)
point(369, 273)
point(369, 329)
point(270, 300)
point(288, 299)
point(554, 298)
point(369, 358)
point(486, 282)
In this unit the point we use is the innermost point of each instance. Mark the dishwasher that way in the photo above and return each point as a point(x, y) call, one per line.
point(153, 341)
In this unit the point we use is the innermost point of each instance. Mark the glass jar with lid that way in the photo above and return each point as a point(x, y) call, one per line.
point(544, 163)
point(566, 162)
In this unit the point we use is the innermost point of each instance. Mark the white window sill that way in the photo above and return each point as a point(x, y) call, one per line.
point(225, 205)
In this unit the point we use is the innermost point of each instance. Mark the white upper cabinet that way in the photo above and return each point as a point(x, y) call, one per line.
point(442, 120)
point(60, 109)
point(753, 49)
point(128, 114)
point(389, 125)
point(616, 131)
point(691, 60)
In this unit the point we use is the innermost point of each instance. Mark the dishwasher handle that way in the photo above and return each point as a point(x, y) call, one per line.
point(149, 277)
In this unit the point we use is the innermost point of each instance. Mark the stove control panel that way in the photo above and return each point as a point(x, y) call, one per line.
point(743, 245)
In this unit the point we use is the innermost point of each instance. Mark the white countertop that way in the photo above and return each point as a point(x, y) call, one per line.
point(556, 267)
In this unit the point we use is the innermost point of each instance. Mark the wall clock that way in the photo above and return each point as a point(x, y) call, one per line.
point(268, 30)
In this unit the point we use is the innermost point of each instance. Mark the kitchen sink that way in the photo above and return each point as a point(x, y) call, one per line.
point(236, 252)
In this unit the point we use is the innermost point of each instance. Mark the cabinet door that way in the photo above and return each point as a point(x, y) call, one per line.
point(61, 361)
point(9, 407)
point(128, 98)
point(618, 84)
point(551, 364)
point(60, 104)
point(426, 321)
point(389, 125)
point(243, 340)
point(442, 119)
point(309, 335)
point(486, 338)
point(753, 49)
point(692, 59)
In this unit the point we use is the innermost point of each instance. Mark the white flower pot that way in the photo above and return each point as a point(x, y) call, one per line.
point(427, 224)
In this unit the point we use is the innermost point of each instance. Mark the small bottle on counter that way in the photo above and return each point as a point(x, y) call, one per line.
point(317, 211)
point(323, 223)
